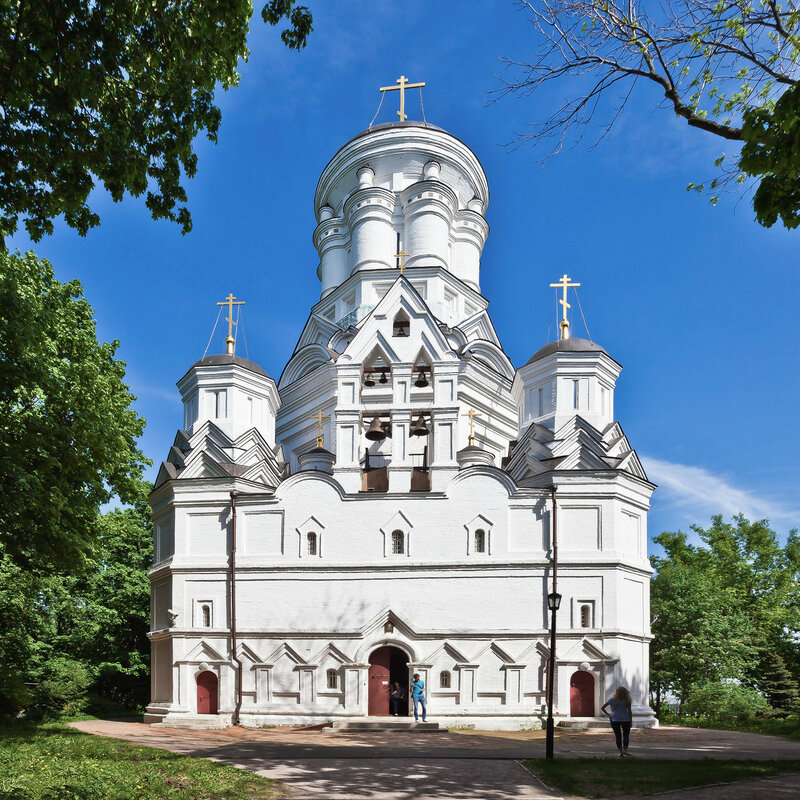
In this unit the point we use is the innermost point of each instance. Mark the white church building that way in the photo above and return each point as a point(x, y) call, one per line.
point(387, 506)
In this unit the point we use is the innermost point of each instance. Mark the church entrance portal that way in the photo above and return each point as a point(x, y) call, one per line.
point(207, 691)
point(386, 665)
point(581, 695)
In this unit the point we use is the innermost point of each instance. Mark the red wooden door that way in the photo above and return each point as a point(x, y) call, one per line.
point(581, 695)
point(378, 696)
point(207, 685)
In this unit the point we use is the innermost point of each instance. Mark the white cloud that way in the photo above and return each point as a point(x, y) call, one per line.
point(702, 493)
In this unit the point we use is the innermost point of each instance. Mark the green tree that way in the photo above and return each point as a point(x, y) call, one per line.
point(778, 685)
point(725, 67)
point(700, 631)
point(69, 632)
point(723, 607)
point(114, 91)
point(726, 702)
point(102, 614)
point(68, 433)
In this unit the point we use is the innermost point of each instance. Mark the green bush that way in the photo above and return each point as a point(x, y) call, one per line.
point(62, 689)
point(726, 702)
point(14, 695)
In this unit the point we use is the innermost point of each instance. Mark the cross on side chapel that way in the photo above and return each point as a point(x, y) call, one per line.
point(230, 301)
point(564, 283)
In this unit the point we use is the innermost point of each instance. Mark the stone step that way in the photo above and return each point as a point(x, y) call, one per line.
point(582, 724)
point(386, 724)
point(200, 722)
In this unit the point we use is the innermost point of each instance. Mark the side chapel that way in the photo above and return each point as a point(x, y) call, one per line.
point(387, 507)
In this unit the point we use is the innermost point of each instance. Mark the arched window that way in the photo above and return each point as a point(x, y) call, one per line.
point(444, 679)
point(480, 541)
point(311, 543)
point(333, 678)
point(206, 610)
point(586, 616)
point(398, 545)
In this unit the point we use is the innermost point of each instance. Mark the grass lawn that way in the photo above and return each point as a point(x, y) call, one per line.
point(610, 777)
point(53, 762)
point(789, 727)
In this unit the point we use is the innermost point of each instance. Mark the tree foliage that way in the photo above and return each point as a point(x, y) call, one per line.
point(68, 433)
point(726, 67)
point(114, 91)
point(723, 608)
point(75, 635)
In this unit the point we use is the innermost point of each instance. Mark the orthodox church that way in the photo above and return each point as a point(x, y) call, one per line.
point(396, 501)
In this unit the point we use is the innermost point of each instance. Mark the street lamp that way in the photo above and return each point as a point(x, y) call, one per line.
point(553, 603)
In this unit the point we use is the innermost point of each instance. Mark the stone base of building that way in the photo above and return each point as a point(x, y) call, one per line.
point(484, 722)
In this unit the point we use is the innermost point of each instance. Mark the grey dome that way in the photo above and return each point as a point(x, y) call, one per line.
point(576, 345)
point(224, 358)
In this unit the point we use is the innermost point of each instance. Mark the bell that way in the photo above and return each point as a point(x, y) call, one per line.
point(421, 381)
point(375, 433)
point(401, 329)
point(419, 428)
point(368, 380)
point(383, 378)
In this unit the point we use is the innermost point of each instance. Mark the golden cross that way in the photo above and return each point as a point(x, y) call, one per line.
point(319, 417)
point(564, 284)
point(472, 413)
point(230, 301)
point(404, 84)
point(400, 256)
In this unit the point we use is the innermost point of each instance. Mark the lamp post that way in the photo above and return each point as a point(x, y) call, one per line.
point(553, 603)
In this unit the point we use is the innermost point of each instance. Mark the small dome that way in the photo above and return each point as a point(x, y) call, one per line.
point(576, 345)
point(224, 358)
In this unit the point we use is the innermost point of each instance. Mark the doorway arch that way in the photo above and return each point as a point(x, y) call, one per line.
point(207, 693)
point(387, 664)
point(581, 694)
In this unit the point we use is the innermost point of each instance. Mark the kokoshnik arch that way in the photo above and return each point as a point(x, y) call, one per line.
point(394, 489)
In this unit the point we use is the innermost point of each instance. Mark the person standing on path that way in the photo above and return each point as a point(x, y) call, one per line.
point(418, 696)
point(621, 717)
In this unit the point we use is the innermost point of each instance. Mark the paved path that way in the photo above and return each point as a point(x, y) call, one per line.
point(444, 766)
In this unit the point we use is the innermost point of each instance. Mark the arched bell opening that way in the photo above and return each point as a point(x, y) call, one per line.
point(376, 373)
point(419, 449)
point(377, 432)
point(422, 373)
point(401, 325)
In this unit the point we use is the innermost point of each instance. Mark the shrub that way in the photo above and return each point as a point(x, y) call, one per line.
point(726, 702)
point(62, 689)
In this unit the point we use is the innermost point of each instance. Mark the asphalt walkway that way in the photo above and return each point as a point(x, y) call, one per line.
point(445, 766)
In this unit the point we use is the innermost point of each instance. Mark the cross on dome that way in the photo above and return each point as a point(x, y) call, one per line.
point(564, 283)
point(230, 301)
point(404, 84)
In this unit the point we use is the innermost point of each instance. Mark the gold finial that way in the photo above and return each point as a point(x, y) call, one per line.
point(564, 284)
point(400, 260)
point(472, 413)
point(404, 84)
point(230, 301)
point(319, 417)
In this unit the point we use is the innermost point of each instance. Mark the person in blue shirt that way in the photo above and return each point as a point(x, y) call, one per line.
point(418, 696)
point(621, 717)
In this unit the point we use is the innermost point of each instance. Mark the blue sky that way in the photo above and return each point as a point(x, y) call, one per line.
point(697, 303)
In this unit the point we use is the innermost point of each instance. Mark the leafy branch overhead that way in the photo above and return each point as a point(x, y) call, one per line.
point(114, 92)
point(726, 68)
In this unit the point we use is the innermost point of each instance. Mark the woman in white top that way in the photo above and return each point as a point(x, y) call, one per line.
point(621, 717)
